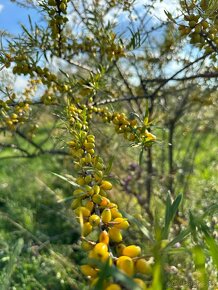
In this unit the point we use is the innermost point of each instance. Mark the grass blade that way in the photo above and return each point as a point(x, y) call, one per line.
point(10, 267)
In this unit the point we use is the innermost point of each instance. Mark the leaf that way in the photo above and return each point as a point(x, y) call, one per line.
point(213, 247)
point(170, 213)
point(10, 267)
point(211, 8)
point(71, 198)
point(179, 238)
point(135, 40)
point(133, 114)
point(30, 22)
point(167, 216)
point(169, 16)
point(26, 31)
point(125, 280)
point(193, 227)
point(45, 56)
point(140, 225)
point(146, 121)
point(66, 179)
point(64, 73)
point(107, 271)
point(175, 205)
point(104, 272)
point(210, 210)
point(110, 163)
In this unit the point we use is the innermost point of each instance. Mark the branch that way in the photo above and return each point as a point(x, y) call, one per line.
point(13, 146)
point(178, 72)
point(151, 96)
point(79, 65)
point(211, 44)
point(203, 75)
point(40, 151)
point(47, 152)
point(125, 81)
point(21, 134)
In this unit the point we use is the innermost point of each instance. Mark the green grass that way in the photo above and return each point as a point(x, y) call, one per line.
point(29, 209)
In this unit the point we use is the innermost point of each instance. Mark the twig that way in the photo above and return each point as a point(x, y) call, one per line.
point(151, 96)
point(203, 75)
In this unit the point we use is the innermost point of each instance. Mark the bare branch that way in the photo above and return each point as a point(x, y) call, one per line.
point(203, 75)
point(47, 152)
point(152, 96)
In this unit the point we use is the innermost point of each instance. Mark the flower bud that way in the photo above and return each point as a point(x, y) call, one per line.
point(132, 251)
point(126, 265)
point(142, 266)
point(94, 220)
point(115, 213)
point(106, 216)
point(113, 287)
point(140, 283)
point(106, 185)
point(121, 223)
point(104, 237)
point(88, 271)
point(101, 250)
point(115, 235)
point(87, 228)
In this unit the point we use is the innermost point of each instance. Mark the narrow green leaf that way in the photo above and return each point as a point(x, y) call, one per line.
point(64, 73)
point(66, 179)
point(192, 225)
point(141, 225)
point(10, 267)
point(30, 22)
point(124, 279)
point(110, 163)
point(175, 206)
point(107, 271)
point(169, 16)
point(210, 210)
point(104, 272)
point(81, 195)
point(178, 239)
point(26, 31)
point(171, 210)
point(213, 248)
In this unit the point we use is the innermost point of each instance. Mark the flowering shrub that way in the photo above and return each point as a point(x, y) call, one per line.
point(75, 64)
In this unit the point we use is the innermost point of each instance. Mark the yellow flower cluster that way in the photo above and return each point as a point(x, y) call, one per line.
point(14, 111)
point(203, 33)
point(109, 46)
point(57, 10)
point(11, 116)
point(102, 224)
point(130, 128)
point(22, 65)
